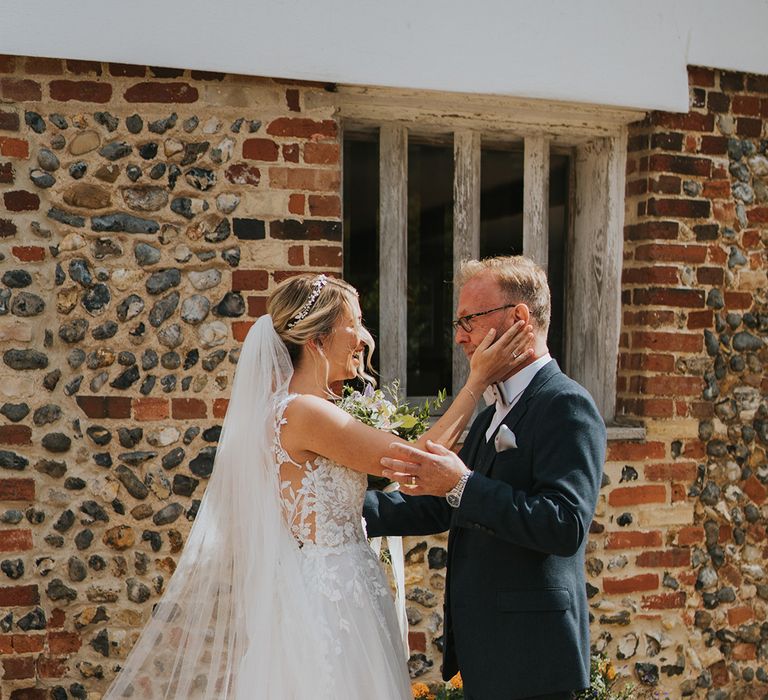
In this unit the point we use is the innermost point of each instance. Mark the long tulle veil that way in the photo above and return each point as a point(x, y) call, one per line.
point(235, 621)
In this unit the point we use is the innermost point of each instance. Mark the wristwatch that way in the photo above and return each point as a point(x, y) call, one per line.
point(454, 495)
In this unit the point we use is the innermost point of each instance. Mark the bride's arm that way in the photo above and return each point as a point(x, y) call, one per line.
point(318, 427)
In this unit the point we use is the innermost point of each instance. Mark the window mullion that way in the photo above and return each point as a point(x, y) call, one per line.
point(393, 247)
point(536, 199)
point(466, 222)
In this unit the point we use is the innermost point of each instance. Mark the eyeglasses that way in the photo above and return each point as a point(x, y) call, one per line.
point(464, 321)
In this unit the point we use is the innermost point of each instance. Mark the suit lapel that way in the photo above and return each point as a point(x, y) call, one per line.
point(517, 412)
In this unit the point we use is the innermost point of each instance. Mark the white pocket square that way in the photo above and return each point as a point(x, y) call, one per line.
point(505, 439)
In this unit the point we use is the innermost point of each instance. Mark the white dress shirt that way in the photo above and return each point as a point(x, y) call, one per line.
point(507, 393)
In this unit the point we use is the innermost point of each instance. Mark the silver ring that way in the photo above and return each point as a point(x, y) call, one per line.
point(514, 354)
point(413, 480)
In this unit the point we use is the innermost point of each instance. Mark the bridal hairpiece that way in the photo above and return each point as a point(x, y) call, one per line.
point(303, 312)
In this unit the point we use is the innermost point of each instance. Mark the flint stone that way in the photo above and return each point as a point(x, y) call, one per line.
point(202, 464)
point(56, 590)
point(83, 539)
point(231, 256)
point(195, 309)
point(157, 171)
point(162, 280)
point(170, 360)
point(160, 126)
point(191, 358)
point(226, 203)
point(14, 411)
point(168, 514)
point(129, 437)
point(25, 359)
point(173, 459)
point(148, 150)
point(78, 170)
point(173, 175)
point(99, 434)
point(56, 442)
point(200, 178)
point(95, 299)
point(133, 172)
point(146, 198)
point(137, 591)
point(108, 173)
point(49, 413)
point(120, 537)
point(41, 178)
point(105, 247)
point(52, 379)
point(205, 279)
point(132, 483)
point(76, 569)
point(104, 331)
point(146, 254)
point(223, 151)
point(193, 151)
point(130, 307)
point(84, 142)
point(13, 461)
point(232, 305)
point(126, 378)
point(138, 457)
point(220, 233)
point(116, 150)
point(171, 336)
point(34, 121)
point(212, 334)
point(26, 304)
point(746, 342)
point(163, 437)
point(188, 207)
point(17, 278)
point(64, 217)
point(87, 196)
point(134, 123)
point(48, 160)
point(125, 223)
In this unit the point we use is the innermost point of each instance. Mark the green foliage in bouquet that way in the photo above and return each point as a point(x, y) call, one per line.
point(385, 410)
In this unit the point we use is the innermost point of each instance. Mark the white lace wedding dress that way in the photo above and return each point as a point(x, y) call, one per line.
point(351, 599)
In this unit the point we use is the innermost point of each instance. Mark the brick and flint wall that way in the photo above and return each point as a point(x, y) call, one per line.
point(147, 212)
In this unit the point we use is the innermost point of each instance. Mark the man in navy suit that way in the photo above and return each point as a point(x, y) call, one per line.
point(518, 500)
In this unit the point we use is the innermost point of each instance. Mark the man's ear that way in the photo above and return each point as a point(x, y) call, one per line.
point(522, 313)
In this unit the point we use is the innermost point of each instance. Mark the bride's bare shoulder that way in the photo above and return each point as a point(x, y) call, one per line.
point(310, 408)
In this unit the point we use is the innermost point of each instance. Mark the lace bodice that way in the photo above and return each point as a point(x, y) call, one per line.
point(322, 500)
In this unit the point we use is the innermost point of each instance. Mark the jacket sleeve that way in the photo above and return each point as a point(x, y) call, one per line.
point(398, 514)
point(554, 515)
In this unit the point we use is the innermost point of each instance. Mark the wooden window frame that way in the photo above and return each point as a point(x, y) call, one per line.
point(596, 140)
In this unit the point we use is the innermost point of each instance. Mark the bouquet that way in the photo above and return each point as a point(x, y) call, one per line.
point(385, 410)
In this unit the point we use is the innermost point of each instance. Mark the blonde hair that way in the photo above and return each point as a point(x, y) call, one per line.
point(288, 300)
point(521, 280)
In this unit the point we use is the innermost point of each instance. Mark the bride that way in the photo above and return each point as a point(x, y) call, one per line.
point(277, 594)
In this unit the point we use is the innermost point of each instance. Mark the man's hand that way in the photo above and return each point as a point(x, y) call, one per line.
point(420, 473)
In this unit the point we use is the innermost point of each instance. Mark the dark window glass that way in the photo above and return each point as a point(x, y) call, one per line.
point(559, 167)
point(361, 226)
point(430, 269)
point(501, 203)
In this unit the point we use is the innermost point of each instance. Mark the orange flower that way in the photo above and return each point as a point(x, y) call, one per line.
point(456, 681)
point(610, 672)
point(420, 690)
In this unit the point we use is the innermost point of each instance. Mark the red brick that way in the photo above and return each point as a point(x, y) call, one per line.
point(307, 230)
point(19, 90)
point(188, 408)
point(17, 490)
point(656, 296)
point(7, 228)
point(690, 535)
point(7, 174)
point(666, 184)
point(151, 409)
point(748, 105)
point(672, 386)
point(324, 205)
point(291, 152)
point(20, 200)
point(714, 145)
point(126, 70)
point(243, 174)
point(9, 121)
point(15, 540)
point(48, 667)
point(671, 342)
point(81, 91)
point(257, 306)
point(325, 256)
point(7, 63)
point(667, 141)
point(17, 668)
point(637, 187)
point(302, 128)
point(15, 435)
point(296, 255)
point(664, 601)
point(757, 83)
point(321, 153)
point(105, 406)
point(670, 252)
point(669, 558)
point(681, 208)
point(249, 279)
point(28, 253)
point(718, 102)
point(620, 451)
point(692, 121)
point(738, 300)
point(744, 652)
point(56, 618)
point(746, 126)
point(206, 75)
point(417, 641)
point(29, 694)
point(671, 471)
point(260, 149)
point(636, 495)
point(19, 596)
point(83, 67)
point(713, 276)
point(684, 165)
point(37, 65)
point(754, 489)
point(631, 584)
point(63, 642)
point(702, 77)
point(757, 215)
point(240, 330)
point(631, 539)
point(220, 407)
point(161, 92)
point(6, 644)
point(28, 643)
point(305, 179)
point(292, 100)
point(14, 148)
point(649, 362)
point(646, 408)
point(740, 615)
point(296, 204)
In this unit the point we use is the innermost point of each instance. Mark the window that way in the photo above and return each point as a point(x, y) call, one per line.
point(424, 191)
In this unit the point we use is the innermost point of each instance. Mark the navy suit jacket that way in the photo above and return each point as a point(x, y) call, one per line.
point(516, 617)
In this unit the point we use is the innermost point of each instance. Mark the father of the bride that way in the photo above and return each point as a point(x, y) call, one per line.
point(518, 501)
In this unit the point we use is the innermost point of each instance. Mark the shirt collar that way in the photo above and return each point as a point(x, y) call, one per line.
point(516, 384)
